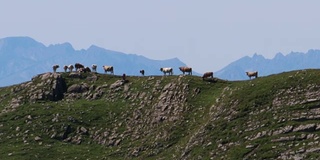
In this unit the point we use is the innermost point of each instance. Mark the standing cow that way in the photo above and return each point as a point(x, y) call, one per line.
point(78, 66)
point(108, 69)
point(142, 72)
point(186, 69)
point(70, 67)
point(252, 74)
point(94, 68)
point(65, 68)
point(168, 70)
point(55, 67)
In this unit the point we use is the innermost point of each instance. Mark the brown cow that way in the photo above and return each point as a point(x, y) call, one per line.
point(207, 74)
point(186, 69)
point(252, 74)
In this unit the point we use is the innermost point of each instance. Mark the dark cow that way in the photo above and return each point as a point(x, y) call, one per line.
point(84, 70)
point(65, 68)
point(207, 74)
point(78, 66)
point(142, 72)
point(55, 67)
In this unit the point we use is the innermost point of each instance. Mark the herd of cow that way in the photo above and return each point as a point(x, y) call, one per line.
point(82, 69)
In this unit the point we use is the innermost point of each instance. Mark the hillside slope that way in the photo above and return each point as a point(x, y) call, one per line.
point(97, 116)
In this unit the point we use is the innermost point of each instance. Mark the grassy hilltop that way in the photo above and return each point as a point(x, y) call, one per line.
point(97, 116)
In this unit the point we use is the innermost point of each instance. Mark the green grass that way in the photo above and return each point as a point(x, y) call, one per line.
point(217, 119)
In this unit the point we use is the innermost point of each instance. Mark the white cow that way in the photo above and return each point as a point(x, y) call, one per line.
point(167, 70)
point(70, 67)
point(108, 69)
point(252, 74)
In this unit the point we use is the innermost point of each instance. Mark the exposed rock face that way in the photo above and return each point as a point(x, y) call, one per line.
point(170, 103)
point(78, 88)
point(59, 88)
point(186, 117)
point(48, 86)
point(52, 87)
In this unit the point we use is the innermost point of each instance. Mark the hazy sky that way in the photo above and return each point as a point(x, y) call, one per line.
point(205, 34)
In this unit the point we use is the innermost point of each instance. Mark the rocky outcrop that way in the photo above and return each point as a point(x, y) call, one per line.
point(52, 87)
point(48, 86)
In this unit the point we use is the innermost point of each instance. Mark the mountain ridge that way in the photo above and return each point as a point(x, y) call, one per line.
point(279, 63)
point(23, 57)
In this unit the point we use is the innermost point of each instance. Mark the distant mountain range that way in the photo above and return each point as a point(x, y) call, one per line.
point(280, 63)
point(21, 58)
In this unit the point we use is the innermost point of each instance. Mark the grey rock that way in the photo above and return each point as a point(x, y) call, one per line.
point(307, 127)
point(117, 84)
point(78, 88)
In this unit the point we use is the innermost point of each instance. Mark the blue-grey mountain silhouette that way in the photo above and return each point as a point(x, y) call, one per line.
point(22, 58)
point(280, 63)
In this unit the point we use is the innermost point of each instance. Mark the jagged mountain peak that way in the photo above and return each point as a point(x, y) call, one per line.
point(280, 63)
point(257, 56)
point(63, 46)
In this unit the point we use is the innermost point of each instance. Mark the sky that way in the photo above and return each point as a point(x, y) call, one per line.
point(207, 35)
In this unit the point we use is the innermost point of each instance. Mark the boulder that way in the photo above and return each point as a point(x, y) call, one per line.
point(78, 88)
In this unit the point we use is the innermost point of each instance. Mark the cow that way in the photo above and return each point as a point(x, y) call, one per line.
point(70, 67)
point(65, 68)
point(142, 72)
point(78, 66)
point(207, 74)
point(252, 74)
point(108, 69)
point(167, 70)
point(55, 67)
point(84, 70)
point(186, 69)
point(94, 67)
